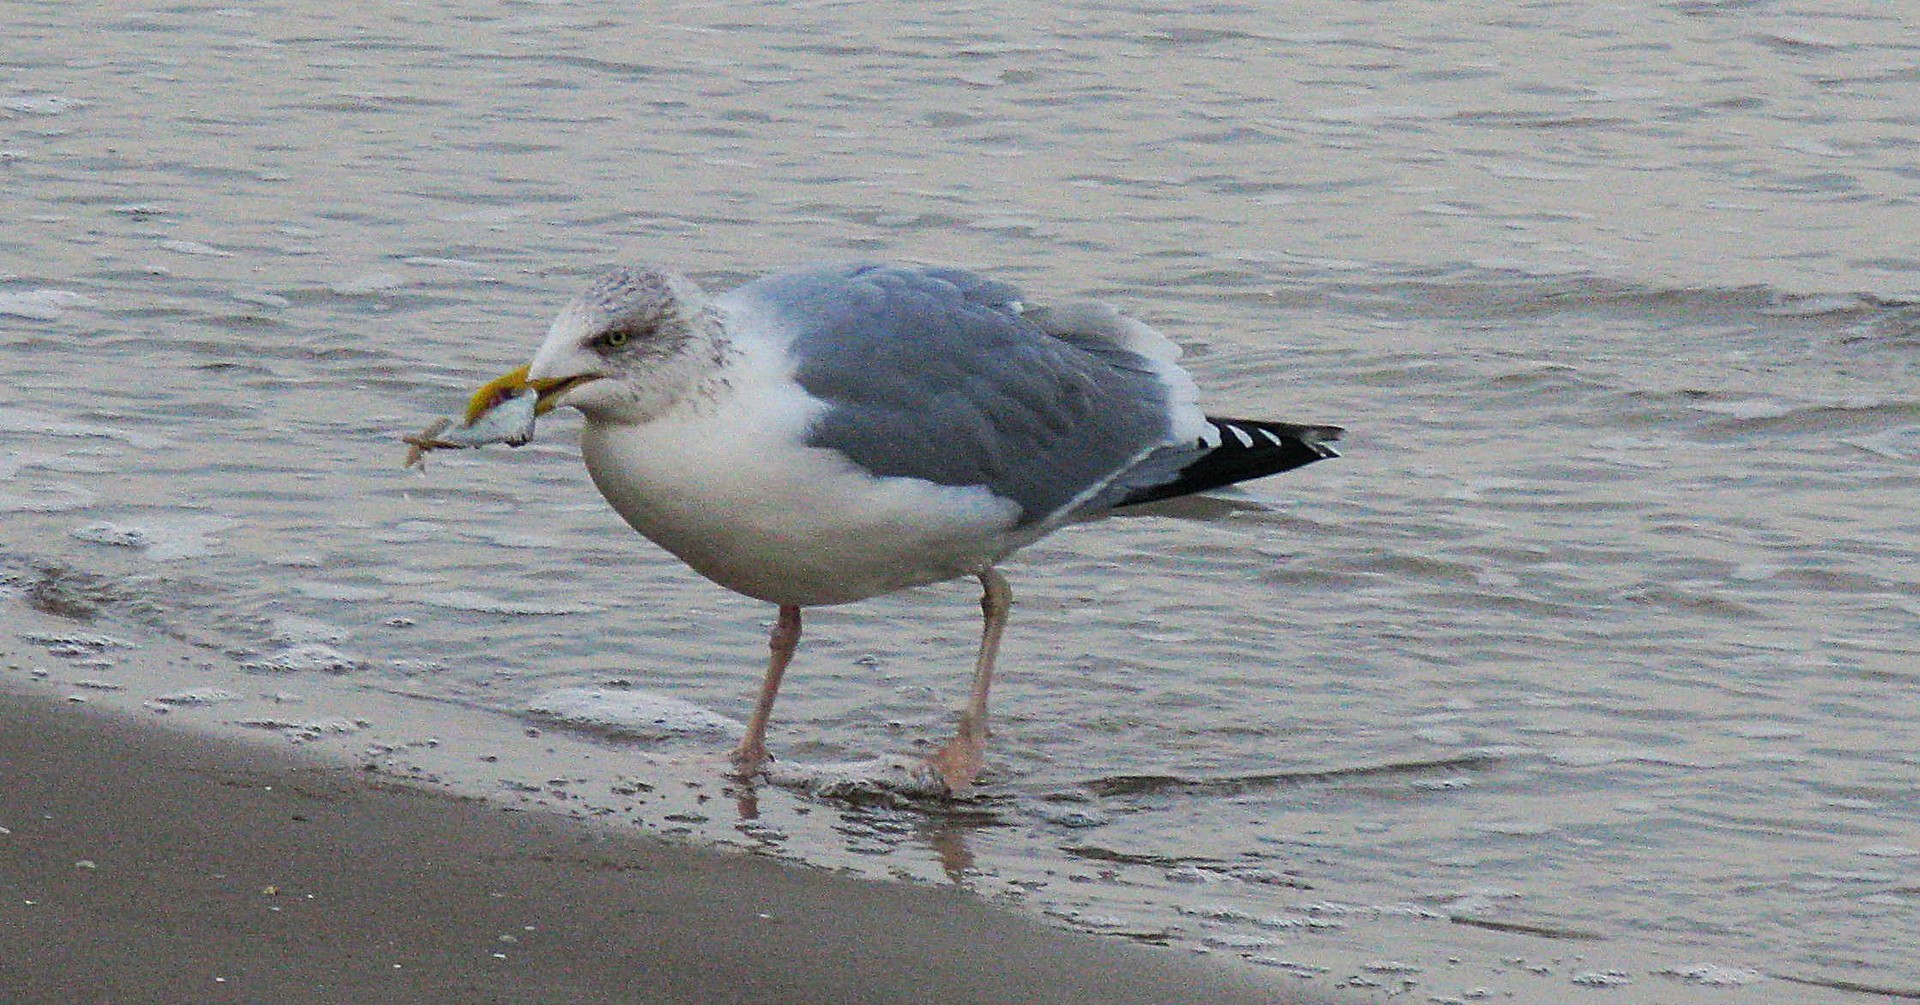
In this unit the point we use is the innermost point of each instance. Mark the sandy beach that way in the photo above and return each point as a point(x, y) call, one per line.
point(147, 864)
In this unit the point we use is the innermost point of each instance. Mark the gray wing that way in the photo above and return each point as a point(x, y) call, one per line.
point(945, 376)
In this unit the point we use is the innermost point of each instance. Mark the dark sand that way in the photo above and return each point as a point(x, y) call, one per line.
point(146, 865)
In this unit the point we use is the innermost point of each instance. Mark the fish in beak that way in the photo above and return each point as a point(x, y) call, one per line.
point(503, 410)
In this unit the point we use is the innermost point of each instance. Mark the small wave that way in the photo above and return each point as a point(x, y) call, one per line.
point(479, 603)
point(1859, 987)
point(1227, 785)
point(14, 419)
point(1732, 413)
point(1515, 288)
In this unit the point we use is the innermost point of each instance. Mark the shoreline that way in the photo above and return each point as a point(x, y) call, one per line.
point(146, 862)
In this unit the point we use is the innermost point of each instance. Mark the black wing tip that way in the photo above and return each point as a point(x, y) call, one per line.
point(1249, 434)
point(1246, 449)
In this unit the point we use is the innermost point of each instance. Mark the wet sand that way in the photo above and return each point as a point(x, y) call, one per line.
point(147, 864)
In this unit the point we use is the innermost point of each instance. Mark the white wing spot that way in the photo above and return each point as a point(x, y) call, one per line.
point(1271, 438)
point(1239, 434)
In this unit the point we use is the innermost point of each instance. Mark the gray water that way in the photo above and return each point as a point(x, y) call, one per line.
point(1592, 665)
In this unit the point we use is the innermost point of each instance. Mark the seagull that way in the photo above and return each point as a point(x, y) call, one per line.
point(833, 433)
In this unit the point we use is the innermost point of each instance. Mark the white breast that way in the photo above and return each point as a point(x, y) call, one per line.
point(727, 484)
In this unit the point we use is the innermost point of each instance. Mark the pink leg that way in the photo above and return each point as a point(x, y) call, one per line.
point(961, 760)
point(751, 754)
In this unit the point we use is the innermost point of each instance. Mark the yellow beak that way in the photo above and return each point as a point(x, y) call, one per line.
point(510, 384)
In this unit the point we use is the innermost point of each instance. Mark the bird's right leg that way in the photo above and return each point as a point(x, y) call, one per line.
point(751, 754)
point(960, 762)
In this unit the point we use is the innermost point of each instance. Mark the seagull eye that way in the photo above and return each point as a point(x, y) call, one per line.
point(616, 338)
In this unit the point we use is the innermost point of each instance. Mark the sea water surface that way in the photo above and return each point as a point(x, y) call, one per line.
point(1593, 666)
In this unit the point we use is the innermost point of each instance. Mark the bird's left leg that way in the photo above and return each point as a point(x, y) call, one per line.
point(960, 761)
point(751, 754)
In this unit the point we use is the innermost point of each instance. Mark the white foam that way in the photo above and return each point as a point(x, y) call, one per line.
point(196, 697)
point(112, 535)
point(41, 305)
point(305, 658)
point(629, 714)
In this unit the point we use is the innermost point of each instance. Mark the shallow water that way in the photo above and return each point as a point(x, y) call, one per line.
point(1592, 662)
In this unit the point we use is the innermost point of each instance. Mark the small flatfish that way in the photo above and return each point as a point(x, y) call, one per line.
point(508, 420)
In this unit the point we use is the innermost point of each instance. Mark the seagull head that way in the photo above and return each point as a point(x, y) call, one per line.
point(626, 350)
